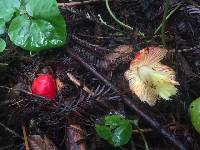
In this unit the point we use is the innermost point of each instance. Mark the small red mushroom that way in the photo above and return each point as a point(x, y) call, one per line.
point(45, 85)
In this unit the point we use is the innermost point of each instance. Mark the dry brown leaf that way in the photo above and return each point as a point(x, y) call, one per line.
point(76, 138)
point(120, 55)
point(39, 143)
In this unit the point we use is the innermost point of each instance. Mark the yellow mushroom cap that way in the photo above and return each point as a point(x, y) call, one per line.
point(148, 78)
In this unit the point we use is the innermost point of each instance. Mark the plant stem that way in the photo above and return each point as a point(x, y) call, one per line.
point(166, 7)
point(144, 139)
point(168, 16)
point(115, 18)
point(141, 133)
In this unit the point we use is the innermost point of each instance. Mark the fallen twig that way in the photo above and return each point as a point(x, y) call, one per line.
point(78, 83)
point(25, 138)
point(10, 131)
point(77, 3)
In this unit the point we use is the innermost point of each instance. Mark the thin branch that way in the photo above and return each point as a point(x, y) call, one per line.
point(77, 3)
point(78, 83)
point(10, 131)
point(25, 138)
point(22, 91)
point(6, 147)
point(132, 104)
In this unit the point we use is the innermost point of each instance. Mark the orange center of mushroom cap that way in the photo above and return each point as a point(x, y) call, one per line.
point(138, 56)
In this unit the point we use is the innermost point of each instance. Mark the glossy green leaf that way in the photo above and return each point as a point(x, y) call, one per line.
point(113, 121)
point(7, 9)
point(122, 134)
point(2, 45)
point(117, 130)
point(194, 111)
point(104, 132)
point(44, 28)
point(46, 9)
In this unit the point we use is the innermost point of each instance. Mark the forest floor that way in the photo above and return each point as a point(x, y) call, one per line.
point(92, 82)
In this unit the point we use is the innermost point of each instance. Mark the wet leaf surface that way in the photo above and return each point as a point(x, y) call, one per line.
point(42, 28)
point(7, 9)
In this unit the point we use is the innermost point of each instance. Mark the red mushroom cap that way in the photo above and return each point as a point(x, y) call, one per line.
point(45, 85)
point(138, 55)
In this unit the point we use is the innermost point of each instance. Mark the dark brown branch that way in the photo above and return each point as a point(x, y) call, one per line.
point(133, 105)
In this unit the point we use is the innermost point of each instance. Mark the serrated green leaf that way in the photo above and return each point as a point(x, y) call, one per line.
point(44, 28)
point(104, 132)
point(122, 134)
point(2, 45)
point(7, 9)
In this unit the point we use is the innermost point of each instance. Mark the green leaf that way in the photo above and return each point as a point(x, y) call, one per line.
point(2, 26)
point(194, 111)
point(117, 131)
point(113, 121)
point(7, 9)
point(104, 132)
point(2, 45)
point(47, 10)
point(122, 134)
point(44, 28)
